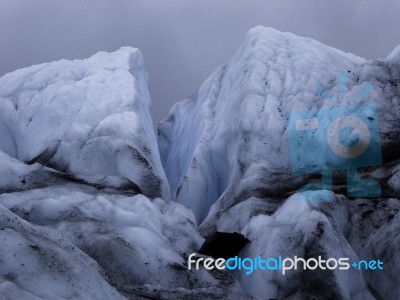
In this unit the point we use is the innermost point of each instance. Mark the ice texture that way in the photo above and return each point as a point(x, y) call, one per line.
point(226, 155)
point(78, 242)
point(84, 203)
point(81, 179)
point(38, 263)
point(87, 118)
point(229, 141)
point(130, 237)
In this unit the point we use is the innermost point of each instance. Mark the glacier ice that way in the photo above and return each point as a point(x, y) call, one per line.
point(229, 142)
point(84, 202)
point(131, 238)
point(101, 245)
point(302, 229)
point(38, 263)
point(71, 115)
point(225, 151)
point(80, 181)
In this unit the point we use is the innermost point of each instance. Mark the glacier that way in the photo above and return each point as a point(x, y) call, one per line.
point(86, 185)
point(71, 115)
point(85, 211)
point(226, 155)
point(73, 241)
point(229, 141)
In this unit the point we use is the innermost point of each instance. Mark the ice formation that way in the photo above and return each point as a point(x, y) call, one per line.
point(88, 118)
point(229, 141)
point(81, 178)
point(226, 154)
point(84, 204)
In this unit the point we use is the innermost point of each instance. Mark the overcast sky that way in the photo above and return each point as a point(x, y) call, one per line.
point(183, 41)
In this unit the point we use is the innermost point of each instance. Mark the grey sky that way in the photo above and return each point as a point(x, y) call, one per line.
point(183, 41)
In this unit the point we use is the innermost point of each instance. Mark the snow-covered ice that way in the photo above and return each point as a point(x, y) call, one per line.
point(225, 151)
point(81, 177)
point(89, 118)
point(230, 142)
point(85, 210)
point(137, 245)
point(39, 263)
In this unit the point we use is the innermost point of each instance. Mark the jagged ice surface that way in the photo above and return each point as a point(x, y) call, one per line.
point(80, 216)
point(88, 118)
point(81, 176)
point(225, 151)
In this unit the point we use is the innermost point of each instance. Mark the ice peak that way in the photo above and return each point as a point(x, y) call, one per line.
point(123, 58)
point(229, 142)
point(394, 56)
point(71, 115)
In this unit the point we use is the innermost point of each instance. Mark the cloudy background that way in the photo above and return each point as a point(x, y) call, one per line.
point(183, 41)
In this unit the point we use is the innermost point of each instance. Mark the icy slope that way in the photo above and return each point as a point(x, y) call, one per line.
point(79, 241)
point(226, 155)
point(229, 142)
point(72, 115)
point(80, 177)
point(38, 263)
